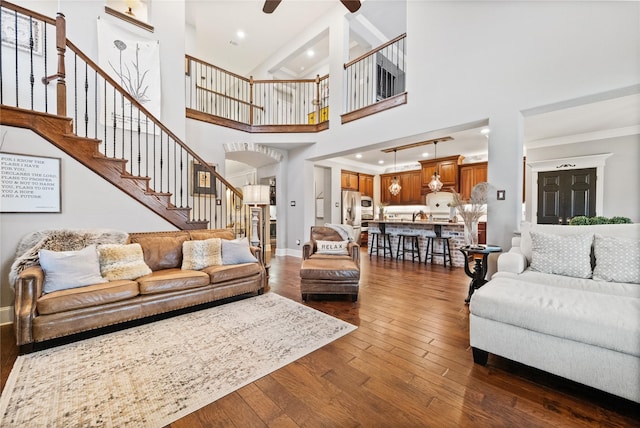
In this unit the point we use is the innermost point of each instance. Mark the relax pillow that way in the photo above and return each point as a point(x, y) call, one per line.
point(335, 248)
point(122, 261)
point(236, 251)
point(198, 255)
point(568, 255)
point(70, 269)
point(617, 259)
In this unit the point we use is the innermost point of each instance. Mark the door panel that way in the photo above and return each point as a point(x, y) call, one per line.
point(563, 195)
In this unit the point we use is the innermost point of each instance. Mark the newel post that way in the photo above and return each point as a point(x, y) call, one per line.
point(250, 100)
point(61, 46)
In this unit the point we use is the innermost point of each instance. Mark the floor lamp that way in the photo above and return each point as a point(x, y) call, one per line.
point(255, 194)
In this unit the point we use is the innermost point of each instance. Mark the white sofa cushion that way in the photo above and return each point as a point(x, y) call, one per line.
point(592, 285)
point(562, 255)
point(617, 259)
point(607, 321)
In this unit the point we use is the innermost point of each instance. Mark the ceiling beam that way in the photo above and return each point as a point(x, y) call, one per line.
point(418, 144)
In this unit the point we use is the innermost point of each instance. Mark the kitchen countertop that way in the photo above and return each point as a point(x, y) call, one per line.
point(417, 222)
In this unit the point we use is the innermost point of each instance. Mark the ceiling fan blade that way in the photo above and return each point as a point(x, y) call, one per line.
point(352, 5)
point(270, 5)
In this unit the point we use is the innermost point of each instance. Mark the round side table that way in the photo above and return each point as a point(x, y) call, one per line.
point(480, 267)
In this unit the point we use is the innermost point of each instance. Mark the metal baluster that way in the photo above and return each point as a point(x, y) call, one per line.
point(95, 104)
point(31, 76)
point(146, 156)
point(131, 137)
point(104, 101)
point(86, 99)
point(15, 14)
point(75, 92)
point(161, 161)
point(1, 62)
point(122, 124)
point(113, 113)
point(181, 179)
point(139, 146)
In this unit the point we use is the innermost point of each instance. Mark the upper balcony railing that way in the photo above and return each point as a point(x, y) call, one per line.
point(376, 80)
point(255, 105)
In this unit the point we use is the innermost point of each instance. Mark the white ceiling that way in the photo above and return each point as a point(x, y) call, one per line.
point(217, 21)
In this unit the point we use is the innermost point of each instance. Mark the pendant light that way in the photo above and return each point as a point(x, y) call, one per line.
point(395, 187)
point(435, 184)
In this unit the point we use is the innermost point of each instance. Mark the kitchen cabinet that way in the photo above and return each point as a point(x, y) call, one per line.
point(349, 180)
point(410, 192)
point(365, 184)
point(470, 175)
point(447, 168)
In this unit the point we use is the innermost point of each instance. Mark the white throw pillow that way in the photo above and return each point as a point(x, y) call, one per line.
point(122, 261)
point(198, 255)
point(70, 269)
point(236, 251)
point(335, 248)
point(568, 255)
point(617, 259)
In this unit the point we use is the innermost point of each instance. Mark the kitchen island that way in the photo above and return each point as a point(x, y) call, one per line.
point(423, 229)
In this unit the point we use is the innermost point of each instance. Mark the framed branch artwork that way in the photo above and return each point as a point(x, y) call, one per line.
point(21, 31)
point(204, 183)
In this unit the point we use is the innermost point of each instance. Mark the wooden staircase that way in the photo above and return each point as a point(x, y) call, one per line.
point(59, 131)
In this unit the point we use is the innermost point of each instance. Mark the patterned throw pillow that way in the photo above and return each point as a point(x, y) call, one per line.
point(70, 269)
point(122, 261)
point(198, 255)
point(335, 248)
point(568, 255)
point(617, 259)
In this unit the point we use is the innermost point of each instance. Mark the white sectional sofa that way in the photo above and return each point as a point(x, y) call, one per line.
point(566, 300)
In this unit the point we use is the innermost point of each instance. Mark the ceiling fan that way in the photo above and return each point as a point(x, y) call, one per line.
point(270, 5)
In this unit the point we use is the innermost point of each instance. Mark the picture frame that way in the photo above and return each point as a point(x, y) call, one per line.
point(19, 35)
point(204, 183)
point(30, 184)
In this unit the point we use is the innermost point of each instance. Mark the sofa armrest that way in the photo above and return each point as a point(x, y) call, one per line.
point(513, 261)
point(28, 288)
point(307, 249)
point(354, 252)
point(256, 252)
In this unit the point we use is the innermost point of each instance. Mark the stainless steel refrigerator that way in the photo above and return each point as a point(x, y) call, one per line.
point(352, 211)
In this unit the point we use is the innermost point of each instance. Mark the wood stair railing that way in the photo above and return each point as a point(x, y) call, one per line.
point(59, 131)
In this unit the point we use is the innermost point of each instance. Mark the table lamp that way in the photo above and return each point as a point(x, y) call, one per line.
point(255, 194)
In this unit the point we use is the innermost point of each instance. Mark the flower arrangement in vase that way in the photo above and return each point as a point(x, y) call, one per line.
point(470, 211)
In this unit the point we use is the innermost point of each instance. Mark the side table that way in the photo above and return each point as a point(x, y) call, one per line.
point(481, 266)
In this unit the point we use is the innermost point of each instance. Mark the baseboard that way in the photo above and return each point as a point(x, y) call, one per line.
point(288, 252)
point(6, 315)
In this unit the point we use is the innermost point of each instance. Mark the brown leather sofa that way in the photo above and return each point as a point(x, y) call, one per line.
point(41, 317)
point(328, 273)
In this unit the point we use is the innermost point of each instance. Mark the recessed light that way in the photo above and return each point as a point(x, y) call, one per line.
point(240, 34)
point(359, 156)
point(485, 131)
point(425, 155)
point(380, 162)
point(310, 53)
point(301, 67)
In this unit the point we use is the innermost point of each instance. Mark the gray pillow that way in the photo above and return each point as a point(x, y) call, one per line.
point(70, 269)
point(617, 259)
point(568, 255)
point(236, 251)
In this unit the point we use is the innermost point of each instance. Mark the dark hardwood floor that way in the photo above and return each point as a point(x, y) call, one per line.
point(407, 365)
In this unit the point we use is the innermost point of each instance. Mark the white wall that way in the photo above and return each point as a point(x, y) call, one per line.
point(621, 173)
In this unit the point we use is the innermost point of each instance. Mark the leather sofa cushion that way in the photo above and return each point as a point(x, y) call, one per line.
point(218, 274)
point(329, 257)
point(198, 235)
point(335, 269)
point(84, 297)
point(161, 252)
point(166, 280)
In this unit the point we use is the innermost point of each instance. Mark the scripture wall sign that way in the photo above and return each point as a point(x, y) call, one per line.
point(29, 184)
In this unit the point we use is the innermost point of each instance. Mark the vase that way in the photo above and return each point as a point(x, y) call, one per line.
point(471, 233)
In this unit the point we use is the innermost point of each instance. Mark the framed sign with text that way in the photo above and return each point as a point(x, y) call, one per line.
point(29, 184)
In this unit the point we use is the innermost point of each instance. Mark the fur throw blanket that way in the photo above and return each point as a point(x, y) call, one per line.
point(59, 240)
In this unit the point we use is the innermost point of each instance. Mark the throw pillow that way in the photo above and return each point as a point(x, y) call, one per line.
point(617, 259)
point(198, 255)
point(336, 248)
point(568, 255)
point(236, 251)
point(70, 269)
point(122, 261)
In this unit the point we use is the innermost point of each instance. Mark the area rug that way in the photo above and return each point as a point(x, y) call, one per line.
point(154, 374)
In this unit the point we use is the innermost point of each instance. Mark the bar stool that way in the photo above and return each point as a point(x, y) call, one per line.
point(414, 249)
point(376, 244)
point(445, 253)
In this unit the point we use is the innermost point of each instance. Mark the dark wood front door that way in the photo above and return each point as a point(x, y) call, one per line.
point(565, 194)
